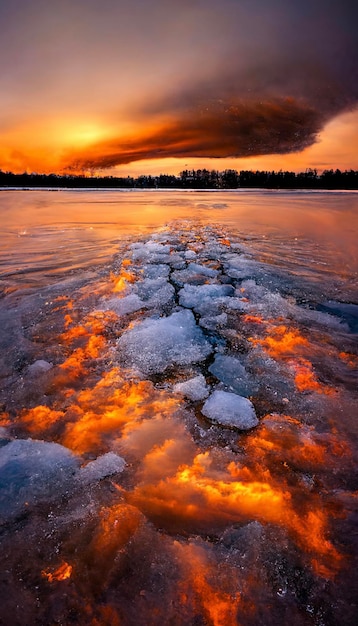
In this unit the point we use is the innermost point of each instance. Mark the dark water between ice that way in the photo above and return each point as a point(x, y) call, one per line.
point(178, 422)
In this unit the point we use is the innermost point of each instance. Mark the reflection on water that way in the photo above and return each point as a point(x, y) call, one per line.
point(120, 501)
point(51, 233)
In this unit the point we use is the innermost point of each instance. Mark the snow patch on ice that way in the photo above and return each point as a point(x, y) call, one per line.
point(123, 306)
point(229, 409)
point(213, 322)
point(193, 389)
point(105, 465)
point(156, 344)
point(32, 472)
point(199, 297)
point(155, 291)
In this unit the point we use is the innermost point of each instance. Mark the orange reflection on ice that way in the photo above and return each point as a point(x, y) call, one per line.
point(116, 527)
point(68, 317)
point(108, 407)
point(123, 279)
point(68, 320)
point(350, 359)
point(282, 342)
point(211, 590)
point(117, 524)
point(305, 379)
point(89, 337)
point(61, 573)
point(5, 419)
point(199, 495)
point(282, 442)
point(280, 439)
point(40, 419)
point(74, 364)
point(253, 319)
point(95, 417)
point(94, 324)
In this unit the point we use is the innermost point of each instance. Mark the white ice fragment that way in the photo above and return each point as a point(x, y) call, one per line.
point(160, 270)
point(150, 247)
point(39, 367)
point(194, 388)
point(105, 465)
point(33, 471)
point(202, 269)
point(150, 252)
point(229, 409)
point(155, 291)
point(156, 344)
point(123, 306)
point(213, 322)
point(200, 296)
point(235, 304)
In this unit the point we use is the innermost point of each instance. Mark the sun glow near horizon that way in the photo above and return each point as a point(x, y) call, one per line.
point(54, 145)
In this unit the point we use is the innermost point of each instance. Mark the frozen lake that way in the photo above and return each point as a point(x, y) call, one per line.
point(178, 414)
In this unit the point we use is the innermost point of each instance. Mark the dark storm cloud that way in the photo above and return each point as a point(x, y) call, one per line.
point(282, 71)
point(217, 130)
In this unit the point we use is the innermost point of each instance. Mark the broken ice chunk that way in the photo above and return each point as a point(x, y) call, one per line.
point(156, 291)
point(233, 374)
point(194, 388)
point(32, 472)
point(39, 367)
point(156, 271)
point(149, 251)
point(202, 269)
point(123, 306)
point(201, 296)
point(156, 344)
point(103, 466)
point(194, 274)
point(213, 322)
point(229, 409)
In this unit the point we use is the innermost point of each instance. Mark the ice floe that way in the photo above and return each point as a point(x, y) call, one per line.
point(194, 388)
point(156, 344)
point(32, 472)
point(105, 465)
point(229, 409)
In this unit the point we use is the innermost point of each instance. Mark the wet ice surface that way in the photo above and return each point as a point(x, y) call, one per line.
point(178, 443)
point(229, 409)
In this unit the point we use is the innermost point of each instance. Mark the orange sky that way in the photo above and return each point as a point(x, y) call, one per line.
point(119, 87)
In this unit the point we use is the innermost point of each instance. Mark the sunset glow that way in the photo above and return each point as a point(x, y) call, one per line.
point(127, 89)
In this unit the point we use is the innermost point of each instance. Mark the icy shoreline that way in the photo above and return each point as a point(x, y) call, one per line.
point(178, 420)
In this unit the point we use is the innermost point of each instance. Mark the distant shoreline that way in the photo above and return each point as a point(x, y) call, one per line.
point(196, 180)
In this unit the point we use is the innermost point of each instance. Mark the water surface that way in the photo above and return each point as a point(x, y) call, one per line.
point(133, 490)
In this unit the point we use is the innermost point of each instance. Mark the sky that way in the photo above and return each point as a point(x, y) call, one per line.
point(130, 87)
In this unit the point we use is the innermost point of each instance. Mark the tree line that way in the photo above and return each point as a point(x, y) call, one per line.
point(192, 179)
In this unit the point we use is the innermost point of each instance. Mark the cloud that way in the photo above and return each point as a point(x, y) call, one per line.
point(215, 129)
point(190, 79)
point(280, 74)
